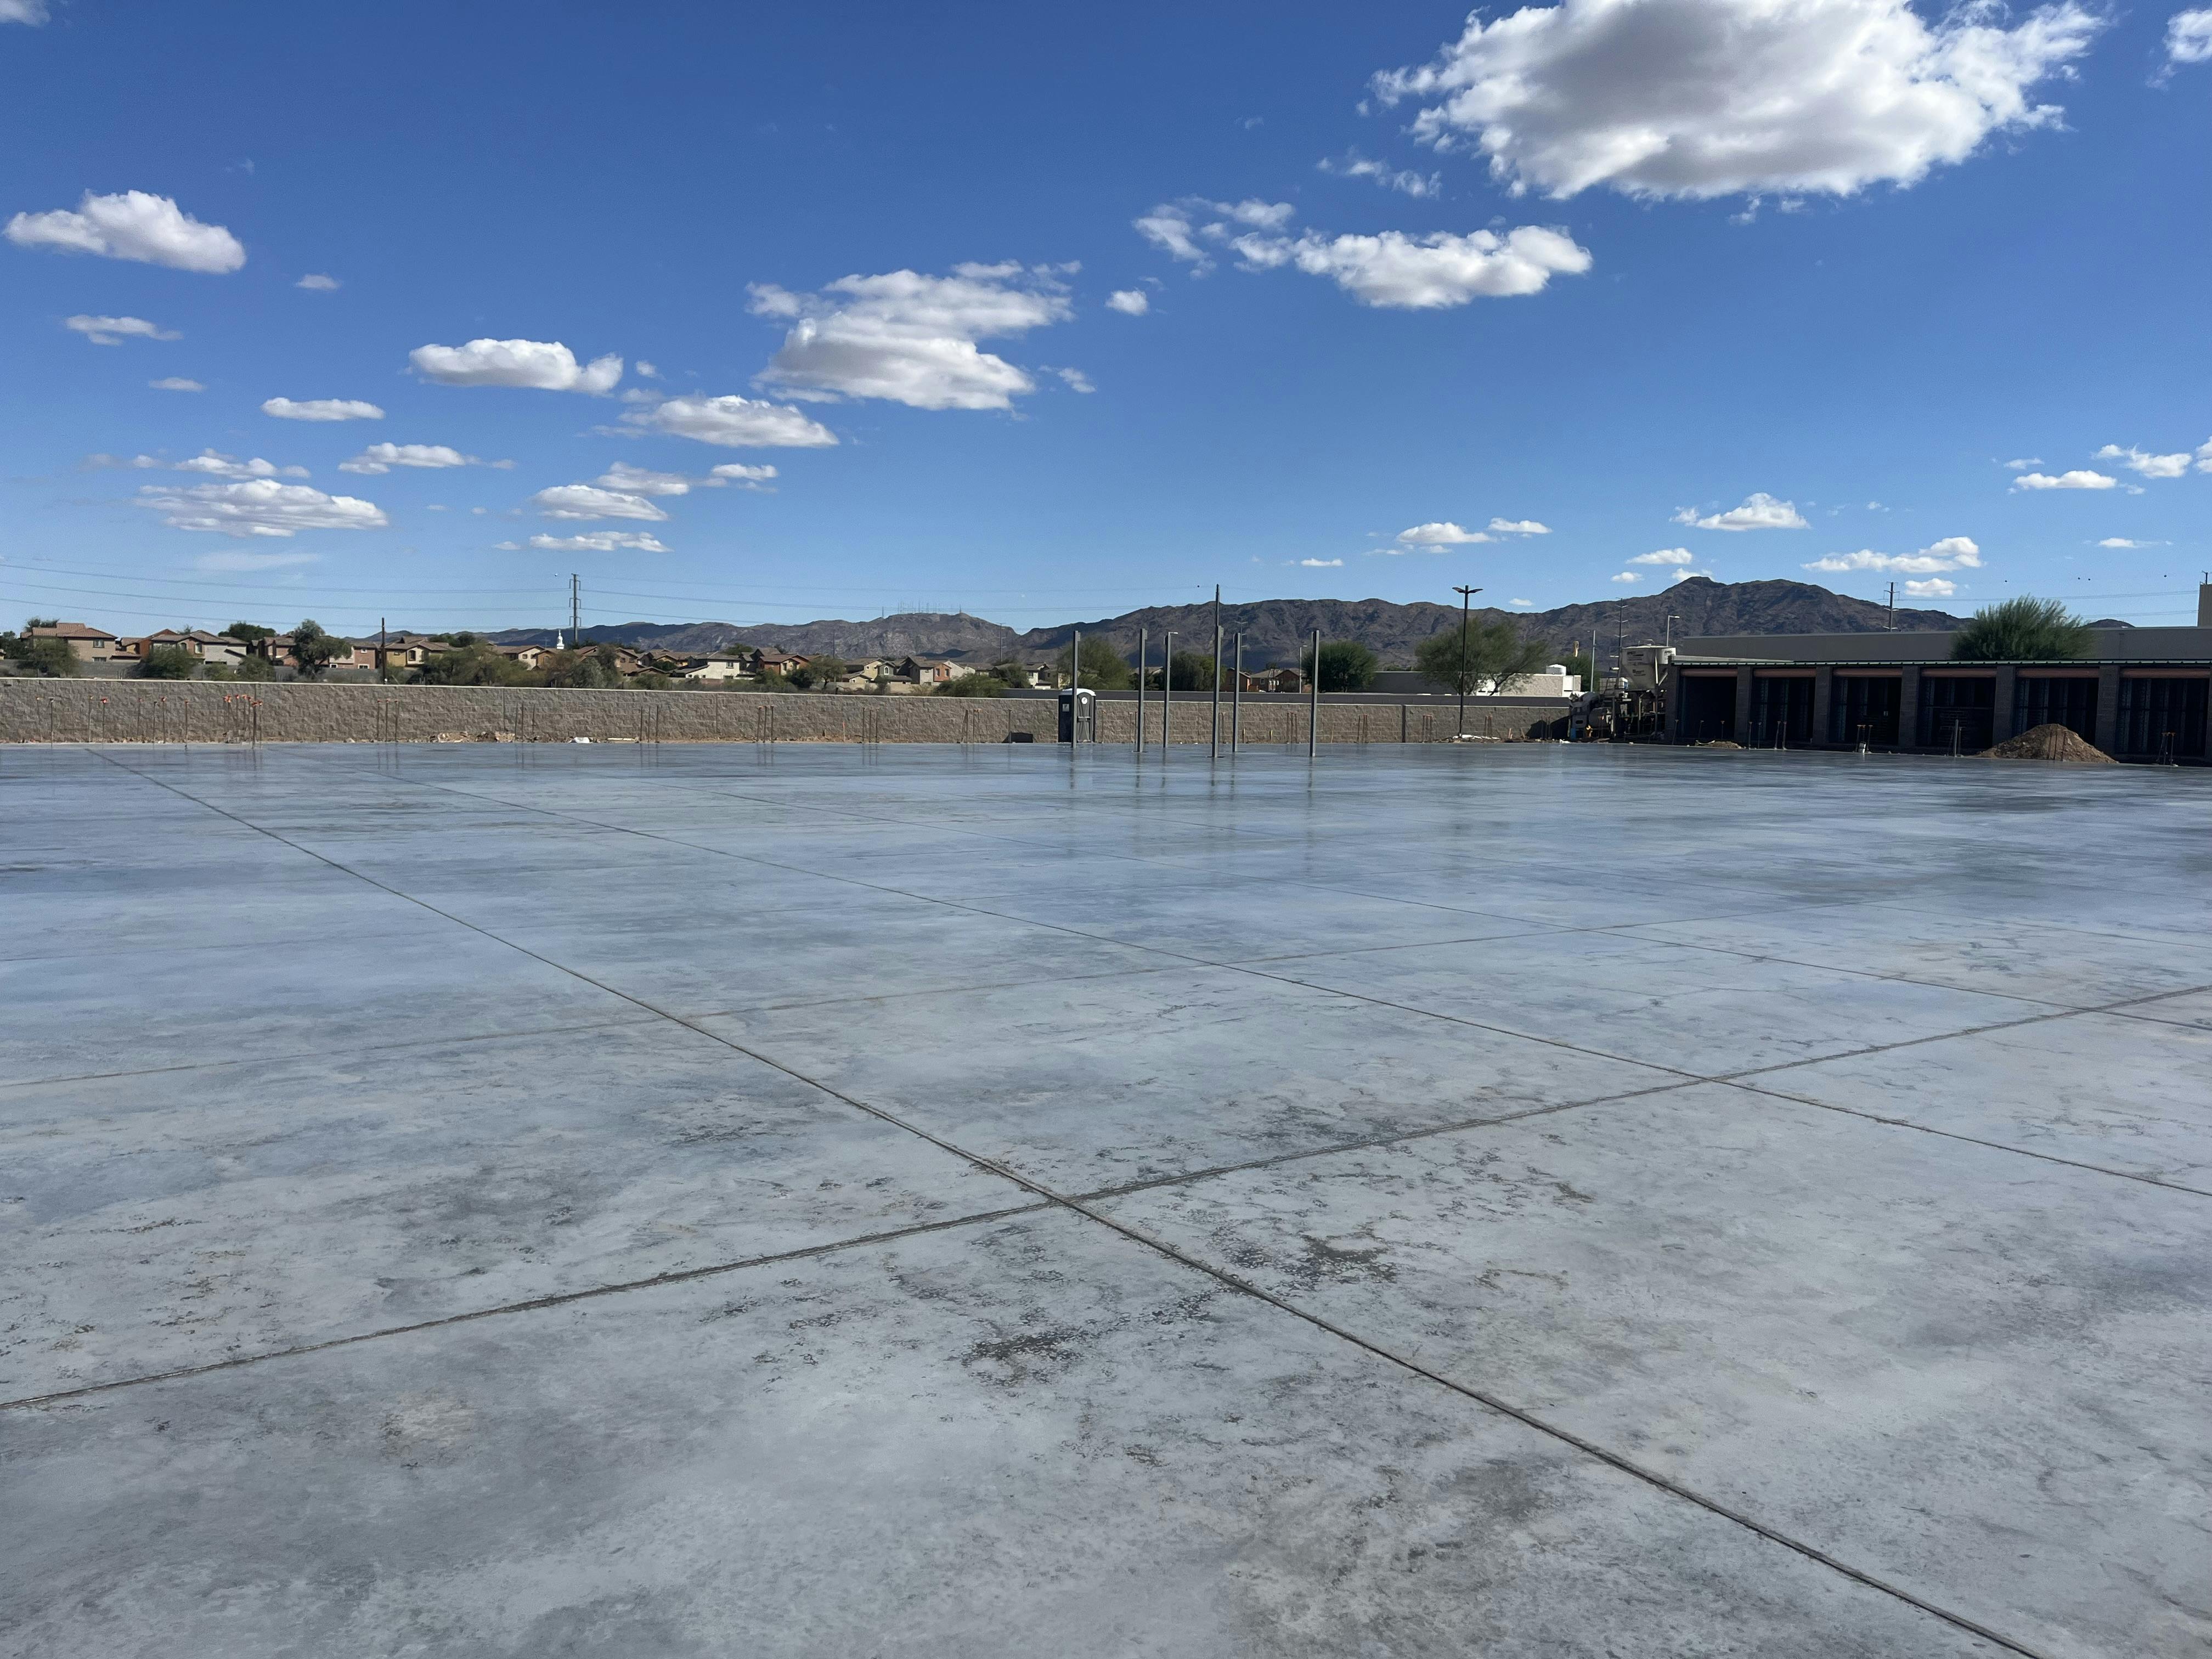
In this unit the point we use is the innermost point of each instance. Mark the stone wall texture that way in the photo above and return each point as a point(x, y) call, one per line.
point(186, 711)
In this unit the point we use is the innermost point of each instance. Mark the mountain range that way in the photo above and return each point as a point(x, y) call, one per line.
point(1277, 630)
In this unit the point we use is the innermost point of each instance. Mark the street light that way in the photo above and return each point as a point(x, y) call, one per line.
point(1465, 598)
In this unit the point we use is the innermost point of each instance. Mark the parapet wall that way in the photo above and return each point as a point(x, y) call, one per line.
point(187, 711)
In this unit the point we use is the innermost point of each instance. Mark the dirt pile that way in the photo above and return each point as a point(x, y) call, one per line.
point(2049, 743)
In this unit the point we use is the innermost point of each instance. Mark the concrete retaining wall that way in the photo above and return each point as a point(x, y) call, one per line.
point(181, 711)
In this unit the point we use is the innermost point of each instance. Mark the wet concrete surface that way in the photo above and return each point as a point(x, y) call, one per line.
point(831, 1201)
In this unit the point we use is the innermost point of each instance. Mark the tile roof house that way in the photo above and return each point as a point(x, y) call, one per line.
point(90, 644)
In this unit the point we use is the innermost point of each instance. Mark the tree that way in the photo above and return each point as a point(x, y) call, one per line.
point(1191, 671)
point(1104, 668)
point(477, 663)
point(819, 672)
point(594, 667)
point(247, 632)
point(314, 650)
point(1579, 664)
point(47, 658)
point(971, 685)
point(2022, 630)
point(256, 668)
point(168, 662)
point(1497, 656)
point(1345, 665)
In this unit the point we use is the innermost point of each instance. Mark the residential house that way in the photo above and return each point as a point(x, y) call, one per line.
point(526, 655)
point(1274, 679)
point(931, 671)
point(765, 661)
point(90, 644)
point(718, 670)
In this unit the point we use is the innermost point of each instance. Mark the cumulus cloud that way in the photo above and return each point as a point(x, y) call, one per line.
point(1393, 270)
point(644, 481)
point(175, 383)
point(1402, 180)
point(538, 365)
point(1518, 527)
point(244, 561)
point(1706, 97)
point(319, 284)
point(596, 541)
point(2150, 466)
point(322, 409)
point(2024, 462)
point(1935, 587)
point(590, 501)
point(1760, 511)
point(259, 506)
point(114, 331)
point(382, 458)
point(1075, 380)
point(737, 472)
point(102, 459)
point(1523, 605)
point(217, 465)
point(1666, 556)
point(1321, 564)
point(131, 225)
point(1442, 533)
point(2080, 479)
point(1952, 553)
point(1628, 576)
point(1129, 301)
point(32, 12)
point(646, 371)
point(2189, 37)
point(733, 423)
point(909, 338)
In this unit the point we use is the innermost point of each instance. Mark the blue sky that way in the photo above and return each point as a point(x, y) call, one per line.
point(1610, 267)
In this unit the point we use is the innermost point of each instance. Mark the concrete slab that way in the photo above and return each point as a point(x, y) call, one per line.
point(309, 1100)
point(1033, 1437)
point(1944, 1363)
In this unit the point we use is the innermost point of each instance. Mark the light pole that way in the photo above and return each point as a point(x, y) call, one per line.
point(1465, 598)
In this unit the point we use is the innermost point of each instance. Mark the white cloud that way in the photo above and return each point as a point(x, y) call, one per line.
point(1425, 273)
point(102, 459)
point(2189, 37)
point(1518, 527)
point(539, 365)
point(218, 465)
point(2078, 479)
point(1952, 553)
point(175, 383)
point(131, 225)
point(1523, 605)
point(244, 561)
point(260, 506)
point(114, 331)
point(1684, 576)
point(1177, 228)
point(2025, 462)
point(1075, 380)
point(1443, 533)
point(745, 477)
point(643, 481)
point(1760, 511)
point(1129, 301)
point(590, 501)
point(909, 338)
point(1934, 588)
point(1403, 179)
point(1705, 98)
point(322, 409)
point(2150, 466)
point(2124, 541)
point(1321, 564)
point(319, 284)
point(1666, 556)
point(1628, 576)
point(646, 371)
point(597, 541)
point(382, 458)
point(733, 423)
point(32, 12)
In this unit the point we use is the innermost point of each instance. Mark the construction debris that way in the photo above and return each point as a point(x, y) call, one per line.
point(2049, 743)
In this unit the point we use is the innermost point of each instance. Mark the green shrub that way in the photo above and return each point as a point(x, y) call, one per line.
point(2022, 630)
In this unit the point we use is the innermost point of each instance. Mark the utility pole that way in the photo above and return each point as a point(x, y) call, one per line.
point(1465, 598)
point(1892, 607)
point(1671, 620)
point(1214, 753)
point(1167, 693)
point(1236, 700)
point(383, 662)
point(575, 612)
point(1313, 719)
point(1143, 638)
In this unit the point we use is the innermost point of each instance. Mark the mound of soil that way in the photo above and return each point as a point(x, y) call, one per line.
point(2049, 743)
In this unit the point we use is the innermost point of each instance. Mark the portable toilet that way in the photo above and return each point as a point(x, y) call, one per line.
point(1079, 715)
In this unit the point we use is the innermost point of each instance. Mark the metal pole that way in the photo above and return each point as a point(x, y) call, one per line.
point(1214, 752)
point(1143, 640)
point(1236, 700)
point(1075, 663)
point(1313, 719)
point(1465, 598)
point(1167, 691)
